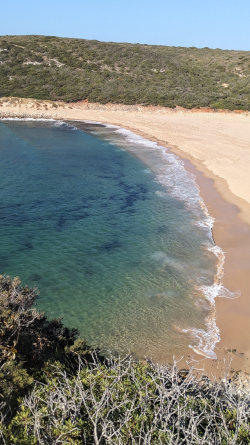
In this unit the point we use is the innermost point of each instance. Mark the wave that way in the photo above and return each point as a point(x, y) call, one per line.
point(182, 185)
point(172, 175)
point(57, 123)
point(33, 119)
point(65, 125)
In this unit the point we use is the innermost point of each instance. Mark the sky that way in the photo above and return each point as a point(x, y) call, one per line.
point(201, 23)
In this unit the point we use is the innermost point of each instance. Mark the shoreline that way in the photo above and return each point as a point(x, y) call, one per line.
point(231, 230)
point(231, 351)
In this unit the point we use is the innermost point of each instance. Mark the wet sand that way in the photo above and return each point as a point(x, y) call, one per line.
point(232, 315)
point(216, 148)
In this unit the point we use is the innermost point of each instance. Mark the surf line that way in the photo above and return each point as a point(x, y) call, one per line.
point(182, 185)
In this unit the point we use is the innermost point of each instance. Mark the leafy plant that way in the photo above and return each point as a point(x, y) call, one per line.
point(55, 390)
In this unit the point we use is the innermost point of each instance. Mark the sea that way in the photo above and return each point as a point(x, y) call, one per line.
point(112, 230)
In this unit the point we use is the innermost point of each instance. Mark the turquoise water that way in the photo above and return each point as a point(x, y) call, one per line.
point(108, 235)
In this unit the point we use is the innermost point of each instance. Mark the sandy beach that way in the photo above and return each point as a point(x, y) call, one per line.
point(215, 146)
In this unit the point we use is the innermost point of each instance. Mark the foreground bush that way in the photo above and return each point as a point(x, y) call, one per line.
point(125, 402)
point(83, 399)
point(27, 341)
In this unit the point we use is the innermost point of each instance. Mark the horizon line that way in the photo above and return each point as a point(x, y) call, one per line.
point(123, 42)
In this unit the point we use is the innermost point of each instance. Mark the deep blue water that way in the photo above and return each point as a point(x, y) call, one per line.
point(113, 250)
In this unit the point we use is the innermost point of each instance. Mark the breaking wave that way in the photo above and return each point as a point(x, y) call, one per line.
point(182, 185)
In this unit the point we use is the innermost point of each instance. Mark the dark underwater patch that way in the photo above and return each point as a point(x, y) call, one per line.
point(27, 245)
point(67, 175)
point(70, 218)
point(110, 246)
point(60, 222)
point(4, 261)
point(138, 194)
point(35, 277)
point(15, 219)
point(82, 215)
point(163, 229)
point(89, 271)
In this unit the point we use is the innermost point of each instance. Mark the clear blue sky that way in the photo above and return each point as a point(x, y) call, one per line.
point(213, 23)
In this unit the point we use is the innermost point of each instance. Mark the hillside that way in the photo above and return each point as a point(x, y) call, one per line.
point(74, 69)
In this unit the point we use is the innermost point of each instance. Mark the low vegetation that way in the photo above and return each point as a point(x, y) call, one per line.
point(54, 68)
point(54, 390)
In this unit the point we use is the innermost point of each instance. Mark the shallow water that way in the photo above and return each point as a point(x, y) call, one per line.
point(116, 240)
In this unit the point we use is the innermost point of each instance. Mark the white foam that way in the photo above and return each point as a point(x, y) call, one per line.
point(65, 125)
point(57, 123)
point(172, 174)
point(182, 185)
point(207, 339)
point(133, 138)
point(113, 127)
point(217, 251)
point(217, 290)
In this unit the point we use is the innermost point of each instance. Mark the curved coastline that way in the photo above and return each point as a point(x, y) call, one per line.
point(170, 172)
point(231, 231)
point(182, 185)
point(208, 188)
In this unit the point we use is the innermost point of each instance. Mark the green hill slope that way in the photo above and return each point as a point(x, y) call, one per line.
point(75, 69)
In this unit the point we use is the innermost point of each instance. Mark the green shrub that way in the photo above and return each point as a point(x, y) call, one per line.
point(55, 390)
point(123, 73)
point(28, 340)
point(123, 401)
